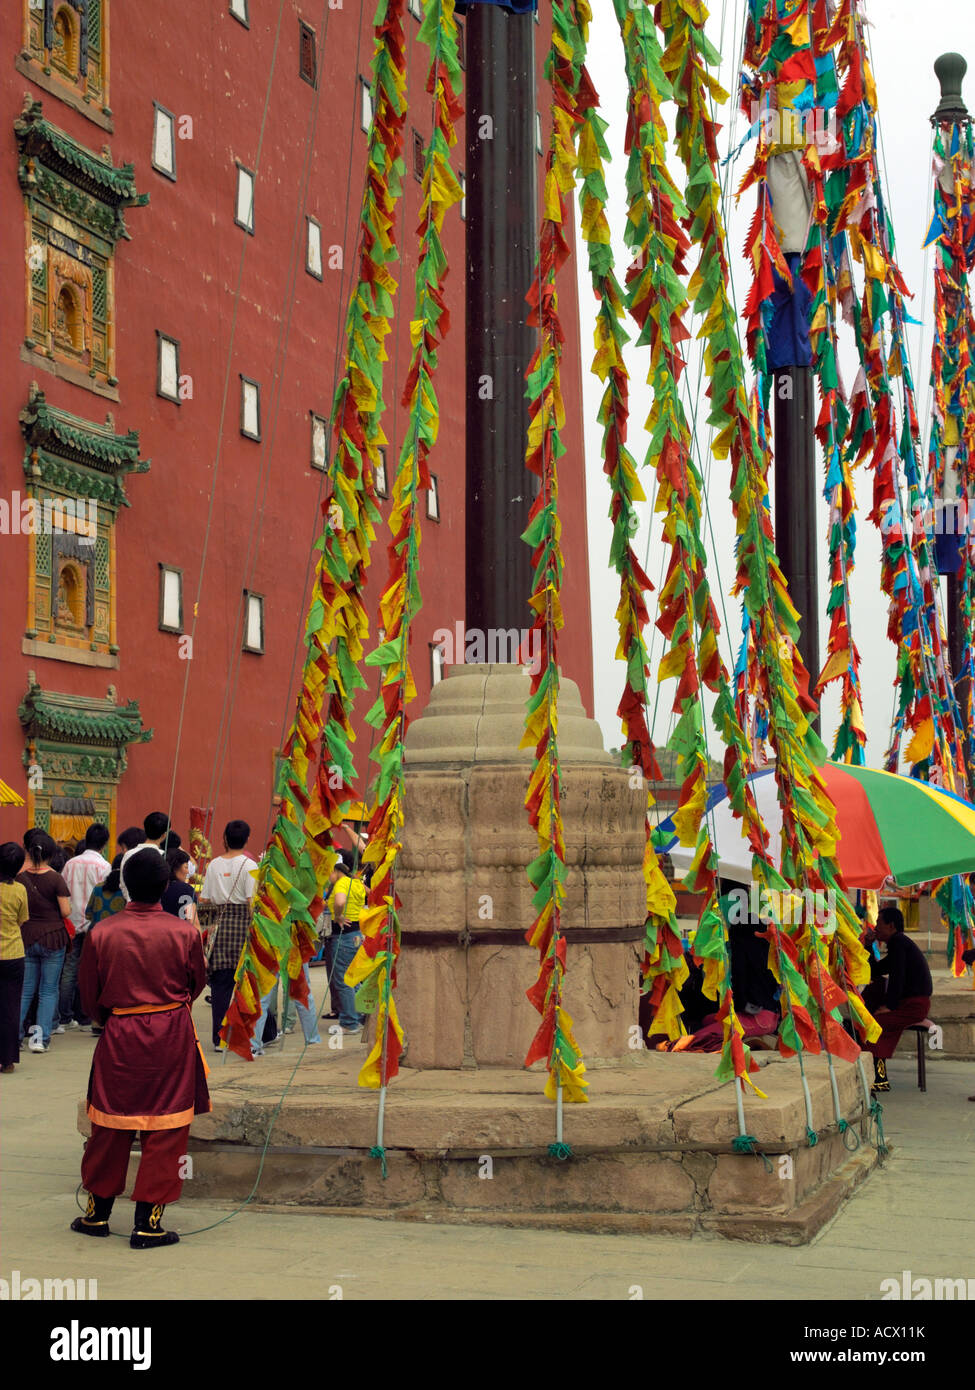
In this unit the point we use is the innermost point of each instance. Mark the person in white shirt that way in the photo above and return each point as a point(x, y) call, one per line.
point(156, 829)
point(82, 874)
point(229, 887)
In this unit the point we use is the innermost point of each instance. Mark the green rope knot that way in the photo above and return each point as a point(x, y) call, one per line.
point(747, 1144)
point(377, 1151)
point(811, 1136)
point(876, 1115)
point(849, 1134)
point(560, 1150)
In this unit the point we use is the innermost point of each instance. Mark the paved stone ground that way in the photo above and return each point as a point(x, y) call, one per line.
point(915, 1214)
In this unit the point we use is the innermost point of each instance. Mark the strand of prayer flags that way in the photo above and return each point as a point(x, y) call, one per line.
point(554, 1041)
point(373, 970)
point(809, 827)
point(299, 854)
point(663, 955)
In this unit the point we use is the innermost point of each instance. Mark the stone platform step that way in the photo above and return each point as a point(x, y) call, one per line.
point(651, 1150)
point(953, 1009)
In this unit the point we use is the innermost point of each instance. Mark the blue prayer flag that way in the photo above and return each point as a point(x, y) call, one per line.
point(788, 322)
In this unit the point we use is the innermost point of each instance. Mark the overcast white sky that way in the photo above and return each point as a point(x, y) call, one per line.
point(906, 38)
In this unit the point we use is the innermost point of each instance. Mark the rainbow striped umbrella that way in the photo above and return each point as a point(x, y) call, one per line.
point(890, 827)
point(8, 797)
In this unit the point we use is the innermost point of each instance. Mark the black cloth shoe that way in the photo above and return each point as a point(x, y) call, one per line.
point(95, 1220)
point(880, 1082)
point(147, 1232)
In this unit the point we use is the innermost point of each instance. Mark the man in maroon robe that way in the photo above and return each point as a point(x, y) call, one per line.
point(139, 975)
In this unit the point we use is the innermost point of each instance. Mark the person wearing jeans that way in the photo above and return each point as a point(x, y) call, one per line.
point(42, 972)
point(308, 1017)
point(82, 874)
point(346, 899)
point(46, 934)
point(68, 1014)
point(346, 942)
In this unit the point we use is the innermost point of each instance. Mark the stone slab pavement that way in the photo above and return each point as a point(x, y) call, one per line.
point(915, 1214)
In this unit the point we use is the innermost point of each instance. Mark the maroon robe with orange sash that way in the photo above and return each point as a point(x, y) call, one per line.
point(140, 972)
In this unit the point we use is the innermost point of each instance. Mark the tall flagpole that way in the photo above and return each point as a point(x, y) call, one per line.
point(951, 117)
point(950, 69)
point(501, 236)
point(797, 501)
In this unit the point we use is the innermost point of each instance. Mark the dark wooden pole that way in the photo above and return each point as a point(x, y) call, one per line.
point(501, 238)
point(950, 70)
point(796, 503)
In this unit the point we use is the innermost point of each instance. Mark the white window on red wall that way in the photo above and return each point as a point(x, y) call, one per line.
point(170, 598)
point(313, 248)
point(319, 440)
point(163, 141)
point(365, 104)
point(253, 622)
point(244, 216)
point(167, 367)
point(433, 499)
point(250, 408)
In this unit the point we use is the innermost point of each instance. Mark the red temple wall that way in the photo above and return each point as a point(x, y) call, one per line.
point(179, 274)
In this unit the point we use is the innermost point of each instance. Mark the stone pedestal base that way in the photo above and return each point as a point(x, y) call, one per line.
point(466, 1007)
point(467, 899)
point(651, 1151)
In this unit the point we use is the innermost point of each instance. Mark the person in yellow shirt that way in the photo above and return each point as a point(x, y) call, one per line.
point(13, 914)
point(345, 901)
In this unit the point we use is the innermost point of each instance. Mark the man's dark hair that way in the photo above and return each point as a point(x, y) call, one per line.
point(131, 837)
point(893, 915)
point(146, 875)
point(172, 841)
point(236, 833)
point(12, 858)
point(155, 825)
point(96, 837)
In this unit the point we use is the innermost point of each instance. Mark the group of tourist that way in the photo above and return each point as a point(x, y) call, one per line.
point(119, 947)
point(227, 896)
point(49, 903)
